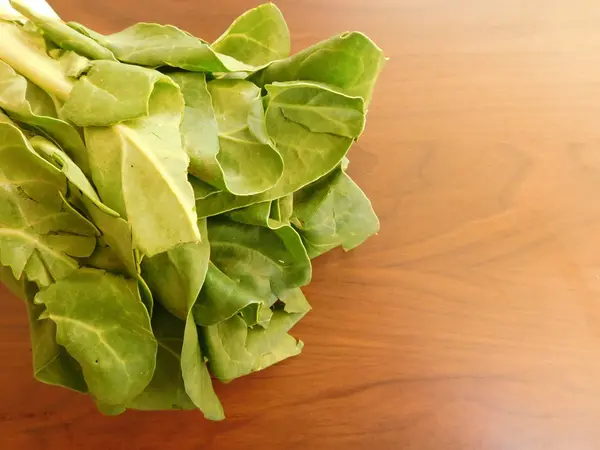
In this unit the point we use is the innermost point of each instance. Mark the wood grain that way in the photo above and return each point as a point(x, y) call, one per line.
point(473, 320)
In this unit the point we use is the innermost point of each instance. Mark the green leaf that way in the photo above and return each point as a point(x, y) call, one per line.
point(257, 37)
point(116, 232)
point(234, 350)
point(71, 171)
point(235, 102)
point(153, 45)
point(115, 348)
point(60, 33)
point(312, 126)
point(28, 104)
point(199, 129)
point(112, 92)
point(349, 61)
point(176, 278)
point(221, 298)
point(333, 212)
point(218, 138)
point(51, 362)
point(258, 257)
point(167, 389)
point(138, 166)
point(39, 233)
point(106, 258)
point(250, 265)
point(197, 379)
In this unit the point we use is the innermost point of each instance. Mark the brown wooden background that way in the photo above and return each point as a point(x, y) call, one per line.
point(473, 320)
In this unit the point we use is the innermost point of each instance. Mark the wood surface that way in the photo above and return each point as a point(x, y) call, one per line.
point(473, 320)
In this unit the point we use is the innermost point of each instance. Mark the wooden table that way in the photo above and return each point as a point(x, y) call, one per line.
point(473, 320)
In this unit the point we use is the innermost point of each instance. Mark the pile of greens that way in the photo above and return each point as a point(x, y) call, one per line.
point(162, 197)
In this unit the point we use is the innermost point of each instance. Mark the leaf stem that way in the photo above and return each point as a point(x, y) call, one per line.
point(42, 70)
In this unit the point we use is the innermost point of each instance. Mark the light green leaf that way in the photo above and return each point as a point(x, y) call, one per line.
point(312, 127)
point(154, 45)
point(333, 212)
point(116, 349)
point(139, 166)
point(197, 379)
point(105, 258)
point(349, 61)
point(269, 215)
point(250, 265)
point(29, 104)
point(285, 207)
point(235, 102)
point(258, 257)
point(199, 129)
point(201, 189)
point(234, 350)
point(72, 64)
point(221, 298)
point(218, 138)
point(112, 92)
point(227, 355)
point(257, 37)
point(71, 171)
point(39, 232)
point(51, 362)
point(167, 389)
point(116, 232)
point(176, 277)
point(60, 33)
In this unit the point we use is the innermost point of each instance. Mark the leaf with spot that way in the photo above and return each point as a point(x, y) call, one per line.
point(103, 324)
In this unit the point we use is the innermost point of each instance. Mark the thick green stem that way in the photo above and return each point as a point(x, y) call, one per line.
point(42, 70)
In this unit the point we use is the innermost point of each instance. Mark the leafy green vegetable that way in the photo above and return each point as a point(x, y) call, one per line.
point(176, 277)
point(312, 126)
point(51, 362)
point(162, 197)
point(352, 60)
point(103, 324)
point(30, 105)
point(257, 37)
point(61, 33)
point(218, 138)
point(144, 177)
point(39, 234)
point(333, 212)
point(234, 350)
point(153, 45)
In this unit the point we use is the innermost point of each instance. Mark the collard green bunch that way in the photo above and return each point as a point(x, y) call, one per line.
point(162, 197)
